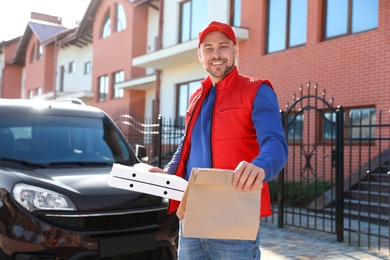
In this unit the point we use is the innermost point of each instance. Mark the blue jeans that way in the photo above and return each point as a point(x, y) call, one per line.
point(216, 249)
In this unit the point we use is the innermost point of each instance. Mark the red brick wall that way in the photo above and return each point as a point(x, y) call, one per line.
point(12, 74)
point(49, 71)
point(354, 69)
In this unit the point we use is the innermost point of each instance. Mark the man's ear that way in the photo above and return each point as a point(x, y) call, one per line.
point(236, 51)
point(199, 56)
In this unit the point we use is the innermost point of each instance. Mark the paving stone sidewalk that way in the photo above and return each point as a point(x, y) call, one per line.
point(293, 243)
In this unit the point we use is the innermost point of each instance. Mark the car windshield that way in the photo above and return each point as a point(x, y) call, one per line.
point(60, 140)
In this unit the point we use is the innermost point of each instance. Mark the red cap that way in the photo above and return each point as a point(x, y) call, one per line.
point(217, 26)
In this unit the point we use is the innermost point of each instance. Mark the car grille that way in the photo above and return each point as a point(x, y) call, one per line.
point(105, 221)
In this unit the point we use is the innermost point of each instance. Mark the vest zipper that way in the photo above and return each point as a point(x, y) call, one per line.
point(211, 127)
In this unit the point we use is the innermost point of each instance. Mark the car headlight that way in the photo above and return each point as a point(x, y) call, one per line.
point(165, 201)
point(34, 198)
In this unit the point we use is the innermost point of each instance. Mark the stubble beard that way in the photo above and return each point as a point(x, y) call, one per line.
point(220, 73)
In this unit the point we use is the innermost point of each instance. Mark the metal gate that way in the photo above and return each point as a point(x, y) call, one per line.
point(337, 178)
point(314, 132)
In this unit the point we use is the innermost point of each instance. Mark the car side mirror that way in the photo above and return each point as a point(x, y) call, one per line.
point(140, 152)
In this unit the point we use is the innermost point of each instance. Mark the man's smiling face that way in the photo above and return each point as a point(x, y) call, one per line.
point(217, 53)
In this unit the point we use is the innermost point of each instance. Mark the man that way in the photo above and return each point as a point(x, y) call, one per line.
point(232, 122)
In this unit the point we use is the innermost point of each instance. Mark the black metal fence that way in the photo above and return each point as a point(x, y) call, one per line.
point(337, 179)
point(160, 137)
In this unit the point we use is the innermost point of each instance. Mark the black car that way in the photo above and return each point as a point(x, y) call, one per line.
point(55, 201)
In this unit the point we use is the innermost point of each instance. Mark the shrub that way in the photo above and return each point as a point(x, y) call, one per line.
point(299, 193)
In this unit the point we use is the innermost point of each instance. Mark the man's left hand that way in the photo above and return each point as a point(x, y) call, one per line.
point(247, 176)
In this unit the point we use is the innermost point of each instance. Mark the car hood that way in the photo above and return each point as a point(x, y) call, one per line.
point(87, 187)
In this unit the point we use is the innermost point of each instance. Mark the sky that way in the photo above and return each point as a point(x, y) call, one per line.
point(15, 14)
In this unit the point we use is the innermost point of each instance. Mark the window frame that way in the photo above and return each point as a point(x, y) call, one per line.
point(299, 133)
point(348, 126)
point(32, 54)
point(71, 67)
point(39, 91)
point(103, 88)
point(235, 15)
point(39, 51)
point(31, 94)
point(287, 28)
point(190, 89)
point(192, 22)
point(87, 68)
point(349, 21)
point(118, 77)
point(106, 28)
point(120, 24)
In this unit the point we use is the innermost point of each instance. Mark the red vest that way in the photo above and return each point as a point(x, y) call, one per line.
point(232, 110)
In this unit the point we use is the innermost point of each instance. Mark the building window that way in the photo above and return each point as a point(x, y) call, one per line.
point(344, 17)
point(120, 18)
point(103, 88)
point(32, 54)
point(359, 124)
point(294, 127)
point(87, 68)
point(286, 24)
point(328, 126)
point(72, 67)
point(39, 91)
point(235, 12)
point(106, 32)
point(193, 17)
point(40, 51)
point(184, 91)
point(62, 78)
point(119, 77)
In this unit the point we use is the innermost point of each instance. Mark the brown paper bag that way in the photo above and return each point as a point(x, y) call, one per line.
point(212, 208)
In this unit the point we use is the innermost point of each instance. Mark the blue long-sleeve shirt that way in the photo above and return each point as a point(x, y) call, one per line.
point(269, 131)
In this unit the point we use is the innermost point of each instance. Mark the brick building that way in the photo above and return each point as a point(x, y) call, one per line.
point(140, 55)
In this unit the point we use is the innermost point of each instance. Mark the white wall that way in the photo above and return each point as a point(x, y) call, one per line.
point(218, 10)
point(76, 81)
point(150, 96)
point(170, 79)
point(152, 34)
point(171, 22)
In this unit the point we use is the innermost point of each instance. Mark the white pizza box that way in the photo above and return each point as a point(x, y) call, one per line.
point(138, 178)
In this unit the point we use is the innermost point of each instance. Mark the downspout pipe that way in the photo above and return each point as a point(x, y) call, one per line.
point(159, 47)
point(56, 43)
